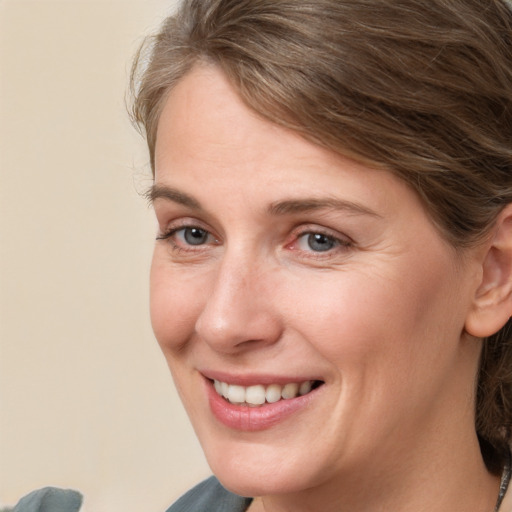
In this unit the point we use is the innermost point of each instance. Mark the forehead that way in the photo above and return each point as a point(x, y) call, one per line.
point(210, 143)
point(205, 118)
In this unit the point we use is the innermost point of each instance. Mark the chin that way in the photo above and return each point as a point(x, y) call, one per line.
point(246, 473)
point(256, 483)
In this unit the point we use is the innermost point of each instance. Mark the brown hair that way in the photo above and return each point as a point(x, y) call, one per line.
point(420, 88)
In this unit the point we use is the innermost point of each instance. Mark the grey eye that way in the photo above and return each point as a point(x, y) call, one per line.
point(318, 242)
point(194, 236)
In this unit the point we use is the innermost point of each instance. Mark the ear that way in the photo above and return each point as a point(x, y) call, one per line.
point(492, 304)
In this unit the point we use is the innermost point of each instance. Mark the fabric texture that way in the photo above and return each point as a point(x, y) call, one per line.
point(210, 496)
point(50, 499)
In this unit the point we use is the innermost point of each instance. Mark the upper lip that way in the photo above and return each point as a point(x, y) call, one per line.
point(252, 379)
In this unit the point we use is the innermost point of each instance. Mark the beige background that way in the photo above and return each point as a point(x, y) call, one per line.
point(85, 397)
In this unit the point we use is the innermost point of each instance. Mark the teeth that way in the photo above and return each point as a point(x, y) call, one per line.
point(273, 393)
point(253, 396)
point(236, 394)
point(305, 388)
point(290, 391)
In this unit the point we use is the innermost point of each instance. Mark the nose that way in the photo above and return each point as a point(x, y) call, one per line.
point(239, 312)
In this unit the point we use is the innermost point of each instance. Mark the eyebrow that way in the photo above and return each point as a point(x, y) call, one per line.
point(278, 208)
point(292, 206)
point(172, 194)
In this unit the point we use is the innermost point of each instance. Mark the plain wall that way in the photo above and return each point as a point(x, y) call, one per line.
point(86, 400)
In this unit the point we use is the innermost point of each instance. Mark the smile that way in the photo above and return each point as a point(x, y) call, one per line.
point(258, 395)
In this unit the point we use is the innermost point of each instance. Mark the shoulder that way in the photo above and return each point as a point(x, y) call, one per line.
point(210, 496)
point(50, 499)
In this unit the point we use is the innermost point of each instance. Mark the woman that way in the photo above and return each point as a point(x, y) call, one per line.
point(332, 278)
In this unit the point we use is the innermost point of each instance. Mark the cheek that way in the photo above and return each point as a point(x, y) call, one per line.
point(380, 321)
point(175, 303)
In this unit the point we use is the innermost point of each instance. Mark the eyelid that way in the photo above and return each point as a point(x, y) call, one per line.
point(305, 229)
point(181, 223)
point(343, 242)
point(173, 227)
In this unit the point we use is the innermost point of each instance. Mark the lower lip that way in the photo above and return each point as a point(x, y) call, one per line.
point(250, 419)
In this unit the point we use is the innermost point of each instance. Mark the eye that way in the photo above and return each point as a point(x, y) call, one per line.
point(192, 236)
point(317, 242)
point(188, 237)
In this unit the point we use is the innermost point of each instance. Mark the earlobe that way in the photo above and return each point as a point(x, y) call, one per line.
point(492, 304)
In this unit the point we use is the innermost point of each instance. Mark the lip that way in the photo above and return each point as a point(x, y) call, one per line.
point(251, 419)
point(248, 379)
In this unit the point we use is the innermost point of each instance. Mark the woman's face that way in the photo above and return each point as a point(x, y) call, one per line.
point(280, 266)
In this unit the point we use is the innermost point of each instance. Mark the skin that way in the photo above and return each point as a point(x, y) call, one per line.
point(379, 317)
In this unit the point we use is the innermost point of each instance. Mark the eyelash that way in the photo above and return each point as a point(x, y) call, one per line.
point(338, 243)
point(170, 234)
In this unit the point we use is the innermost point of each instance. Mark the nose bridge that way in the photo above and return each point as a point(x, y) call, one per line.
point(238, 308)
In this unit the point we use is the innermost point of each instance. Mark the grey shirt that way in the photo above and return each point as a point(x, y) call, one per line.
point(210, 496)
point(50, 499)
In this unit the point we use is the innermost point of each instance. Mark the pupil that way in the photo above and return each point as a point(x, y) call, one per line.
point(195, 236)
point(319, 242)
